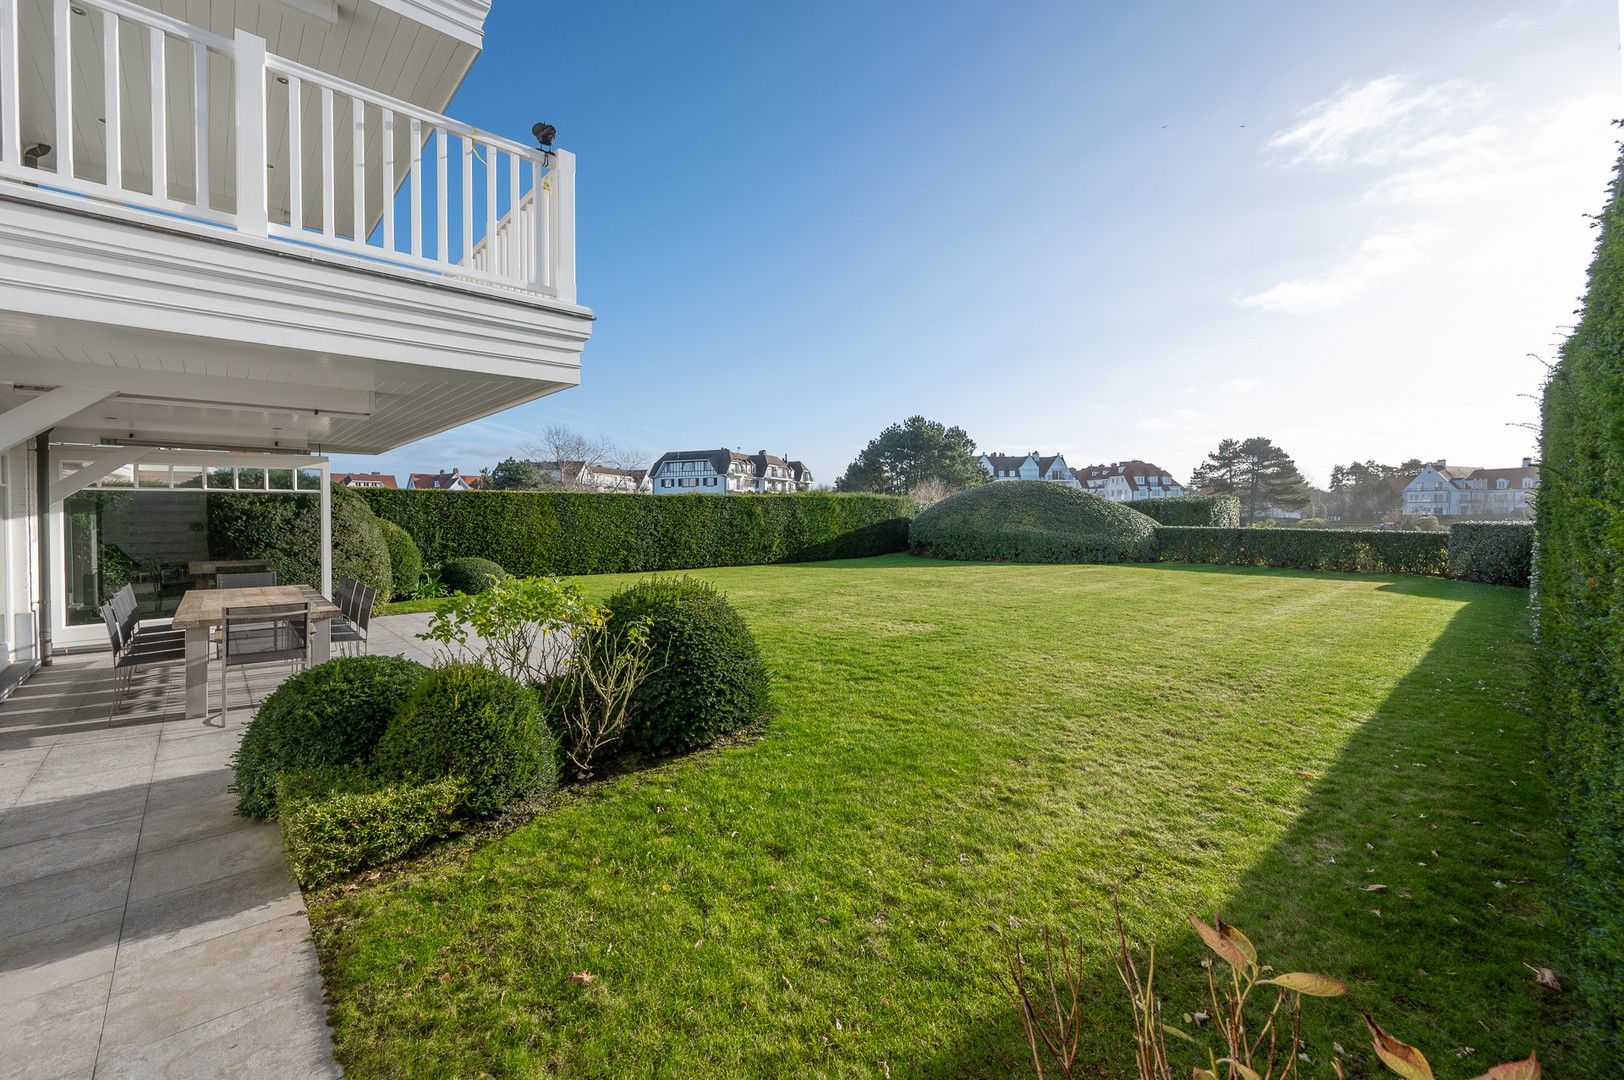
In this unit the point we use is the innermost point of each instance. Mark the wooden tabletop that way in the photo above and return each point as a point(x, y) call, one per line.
point(203, 607)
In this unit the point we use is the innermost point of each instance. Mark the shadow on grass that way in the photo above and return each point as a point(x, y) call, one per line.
point(1418, 867)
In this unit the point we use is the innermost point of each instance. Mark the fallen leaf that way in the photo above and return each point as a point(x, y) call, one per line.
point(1304, 982)
point(1375, 888)
point(1402, 1058)
point(582, 978)
point(1527, 1069)
point(1547, 978)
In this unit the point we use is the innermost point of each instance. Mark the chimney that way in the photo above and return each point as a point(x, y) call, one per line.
point(1528, 463)
point(1440, 463)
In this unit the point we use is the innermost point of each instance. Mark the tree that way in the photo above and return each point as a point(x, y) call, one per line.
point(513, 474)
point(906, 456)
point(1370, 490)
point(1258, 471)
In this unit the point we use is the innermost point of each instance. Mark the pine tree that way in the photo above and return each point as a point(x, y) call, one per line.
point(905, 455)
point(1258, 471)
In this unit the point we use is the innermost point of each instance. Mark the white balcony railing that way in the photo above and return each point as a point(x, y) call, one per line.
point(128, 106)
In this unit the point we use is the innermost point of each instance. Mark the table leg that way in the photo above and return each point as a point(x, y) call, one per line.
point(321, 641)
point(197, 672)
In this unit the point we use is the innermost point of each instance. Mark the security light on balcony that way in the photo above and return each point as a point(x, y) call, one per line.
point(545, 134)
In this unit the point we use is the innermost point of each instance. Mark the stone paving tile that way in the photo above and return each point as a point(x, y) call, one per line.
point(54, 1034)
point(185, 917)
point(24, 823)
point(232, 1045)
point(198, 862)
point(59, 955)
point(64, 850)
point(30, 905)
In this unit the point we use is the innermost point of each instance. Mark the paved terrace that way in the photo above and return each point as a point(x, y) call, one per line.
point(145, 930)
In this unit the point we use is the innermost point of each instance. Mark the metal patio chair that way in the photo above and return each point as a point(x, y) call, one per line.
point(355, 601)
point(262, 635)
point(258, 580)
point(131, 653)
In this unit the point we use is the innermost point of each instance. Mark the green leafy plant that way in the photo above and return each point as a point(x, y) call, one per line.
point(1311, 523)
point(428, 587)
point(332, 714)
point(567, 532)
point(469, 721)
point(710, 677)
point(521, 627)
point(471, 575)
point(1032, 521)
point(590, 705)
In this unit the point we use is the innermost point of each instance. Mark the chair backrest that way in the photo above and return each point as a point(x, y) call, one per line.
point(258, 580)
point(115, 634)
point(360, 612)
point(254, 635)
point(344, 597)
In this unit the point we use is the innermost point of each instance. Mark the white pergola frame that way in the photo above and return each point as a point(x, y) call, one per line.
point(138, 469)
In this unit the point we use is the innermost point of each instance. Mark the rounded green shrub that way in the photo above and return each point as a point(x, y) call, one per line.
point(405, 561)
point(709, 678)
point(468, 721)
point(1032, 521)
point(470, 575)
point(332, 714)
point(1311, 523)
point(284, 531)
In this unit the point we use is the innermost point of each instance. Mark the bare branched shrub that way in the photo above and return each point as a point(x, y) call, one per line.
point(590, 706)
point(567, 458)
point(1257, 1038)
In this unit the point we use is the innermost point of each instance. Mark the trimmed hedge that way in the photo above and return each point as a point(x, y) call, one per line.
point(336, 820)
point(533, 533)
point(1493, 552)
point(1579, 616)
point(285, 532)
point(1032, 521)
point(471, 576)
point(708, 677)
point(405, 561)
point(469, 721)
point(1363, 551)
point(1217, 511)
point(332, 714)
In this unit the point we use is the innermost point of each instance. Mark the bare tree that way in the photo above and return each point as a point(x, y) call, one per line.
point(567, 458)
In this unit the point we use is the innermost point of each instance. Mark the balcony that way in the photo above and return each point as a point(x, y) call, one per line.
point(143, 116)
point(212, 245)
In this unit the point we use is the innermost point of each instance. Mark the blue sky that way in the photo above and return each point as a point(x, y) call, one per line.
point(1113, 230)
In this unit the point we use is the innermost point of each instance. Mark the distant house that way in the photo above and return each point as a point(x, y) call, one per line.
point(1032, 466)
point(364, 480)
point(1129, 481)
point(1444, 490)
point(727, 472)
point(454, 480)
point(586, 475)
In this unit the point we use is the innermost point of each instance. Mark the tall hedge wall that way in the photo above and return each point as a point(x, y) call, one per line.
point(1361, 550)
point(1493, 552)
point(545, 532)
point(1220, 511)
point(1579, 613)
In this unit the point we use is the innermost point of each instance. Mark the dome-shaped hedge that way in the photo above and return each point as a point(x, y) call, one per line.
point(1032, 521)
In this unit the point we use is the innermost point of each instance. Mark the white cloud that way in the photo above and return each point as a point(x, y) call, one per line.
point(1511, 21)
point(1379, 122)
point(1376, 260)
point(1238, 386)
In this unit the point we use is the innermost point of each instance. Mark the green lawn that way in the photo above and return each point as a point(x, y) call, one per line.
point(960, 747)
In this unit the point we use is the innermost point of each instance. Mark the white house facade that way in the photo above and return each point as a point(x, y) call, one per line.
point(727, 472)
point(1444, 490)
point(586, 475)
point(1032, 466)
point(1129, 481)
point(236, 238)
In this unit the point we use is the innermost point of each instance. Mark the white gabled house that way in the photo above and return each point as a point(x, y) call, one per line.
point(1129, 481)
point(727, 472)
point(1444, 490)
point(1032, 466)
point(588, 476)
point(237, 236)
point(455, 480)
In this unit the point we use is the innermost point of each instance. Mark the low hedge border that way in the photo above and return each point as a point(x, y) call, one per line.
point(1493, 552)
point(533, 533)
point(335, 821)
point(1358, 550)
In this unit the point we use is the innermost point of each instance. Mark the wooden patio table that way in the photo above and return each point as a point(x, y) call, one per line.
point(201, 610)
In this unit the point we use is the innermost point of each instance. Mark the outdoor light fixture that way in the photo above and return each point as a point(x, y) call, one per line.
point(545, 134)
point(32, 155)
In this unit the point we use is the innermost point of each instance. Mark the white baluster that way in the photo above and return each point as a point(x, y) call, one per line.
point(538, 230)
point(512, 261)
point(295, 154)
point(417, 187)
point(467, 201)
point(442, 200)
point(564, 226)
point(387, 187)
point(490, 209)
point(110, 103)
point(160, 113)
point(329, 178)
point(358, 138)
point(63, 57)
point(200, 122)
